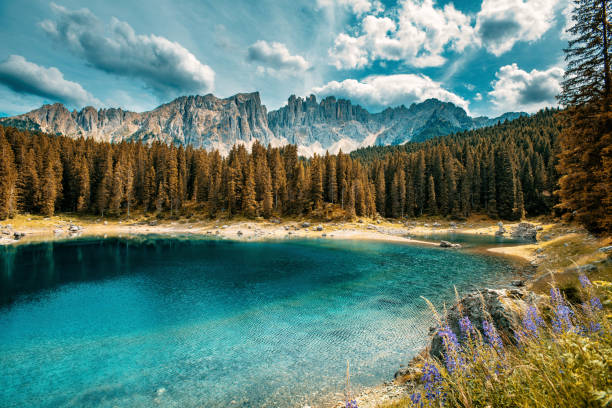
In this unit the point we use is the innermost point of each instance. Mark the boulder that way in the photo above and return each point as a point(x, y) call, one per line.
point(518, 283)
point(74, 228)
point(18, 235)
point(503, 307)
point(606, 249)
point(446, 244)
point(305, 224)
point(436, 224)
point(319, 228)
point(525, 230)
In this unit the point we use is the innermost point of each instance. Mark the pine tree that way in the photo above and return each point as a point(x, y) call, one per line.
point(28, 184)
point(49, 190)
point(268, 198)
point(249, 201)
point(82, 185)
point(332, 183)
point(350, 205)
point(381, 197)
point(172, 181)
point(505, 185)
point(128, 186)
point(8, 180)
point(316, 183)
point(301, 189)
point(586, 140)
point(396, 205)
point(432, 206)
point(150, 187)
point(587, 77)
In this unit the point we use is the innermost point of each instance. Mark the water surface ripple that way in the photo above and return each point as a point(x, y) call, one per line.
point(174, 322)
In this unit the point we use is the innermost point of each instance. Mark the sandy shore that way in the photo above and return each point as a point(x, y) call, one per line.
point(59, 227)
point(62, 227)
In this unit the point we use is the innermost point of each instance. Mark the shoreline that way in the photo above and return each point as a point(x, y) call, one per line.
point(65, 227)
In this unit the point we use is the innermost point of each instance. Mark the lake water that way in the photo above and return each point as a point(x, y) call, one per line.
point(180, 322)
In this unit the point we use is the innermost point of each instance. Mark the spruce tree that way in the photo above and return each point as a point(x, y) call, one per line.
point(8, 180)
point(586, 139)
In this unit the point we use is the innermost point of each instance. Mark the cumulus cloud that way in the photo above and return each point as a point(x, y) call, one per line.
point(502, 23)
point(164, 66)
point(420, 32)
point(379, 91)
point(27, 77)
point(275, 57)
point(356, 6)
point(518, 90)
point(419, 36)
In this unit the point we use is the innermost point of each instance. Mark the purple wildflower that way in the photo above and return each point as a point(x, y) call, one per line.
point(416, 399)
point(432, 382)
point(451, 344)
point(555, 296)
point(596, 303)
point(563, 319)
point(351, 404)
point(491, 335)
point(466, 326)
point(594, 327)
point(584, 281)
point(532, 321)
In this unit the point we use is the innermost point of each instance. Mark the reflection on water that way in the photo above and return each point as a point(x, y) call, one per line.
point(193, 322)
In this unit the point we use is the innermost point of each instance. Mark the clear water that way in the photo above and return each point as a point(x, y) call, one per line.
point(200, 323)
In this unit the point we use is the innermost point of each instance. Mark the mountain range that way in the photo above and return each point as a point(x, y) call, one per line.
point(214, 123)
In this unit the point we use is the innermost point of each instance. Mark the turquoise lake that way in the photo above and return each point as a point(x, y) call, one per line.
point(184, 322)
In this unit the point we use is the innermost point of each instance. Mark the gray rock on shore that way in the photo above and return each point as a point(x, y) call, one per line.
point(525, 230)
point(446, 244)
point(504, 308)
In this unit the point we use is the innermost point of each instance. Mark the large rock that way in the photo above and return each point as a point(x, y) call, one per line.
point(504, 308)
point(446, 244)
point(525, 230)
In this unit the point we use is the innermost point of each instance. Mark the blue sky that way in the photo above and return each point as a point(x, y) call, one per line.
point(487, 56)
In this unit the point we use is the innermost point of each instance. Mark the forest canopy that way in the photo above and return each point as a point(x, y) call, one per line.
point(506, 171)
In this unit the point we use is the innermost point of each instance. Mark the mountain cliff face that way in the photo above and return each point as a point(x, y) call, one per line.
point(213, 123)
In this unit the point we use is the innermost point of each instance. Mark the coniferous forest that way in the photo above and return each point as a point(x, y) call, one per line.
point(506, 171)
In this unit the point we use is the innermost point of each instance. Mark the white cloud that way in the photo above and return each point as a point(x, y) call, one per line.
point(275, 57)
point(502, 23)
point(421, 34)
point(356, 6)
point(518, 90)
point(380, 91)
point(567, 16)
point(478, 96)
point(26, 77)
point(163, 65)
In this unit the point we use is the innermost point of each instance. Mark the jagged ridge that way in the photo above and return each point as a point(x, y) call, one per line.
point(213, 123)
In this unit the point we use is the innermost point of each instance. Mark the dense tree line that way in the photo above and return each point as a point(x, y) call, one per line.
point(506, 171)
point(586, 141)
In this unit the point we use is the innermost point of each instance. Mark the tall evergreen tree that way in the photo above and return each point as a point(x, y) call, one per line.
point(584, 163)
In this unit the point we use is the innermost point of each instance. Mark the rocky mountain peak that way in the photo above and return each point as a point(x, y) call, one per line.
point(210, 122)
